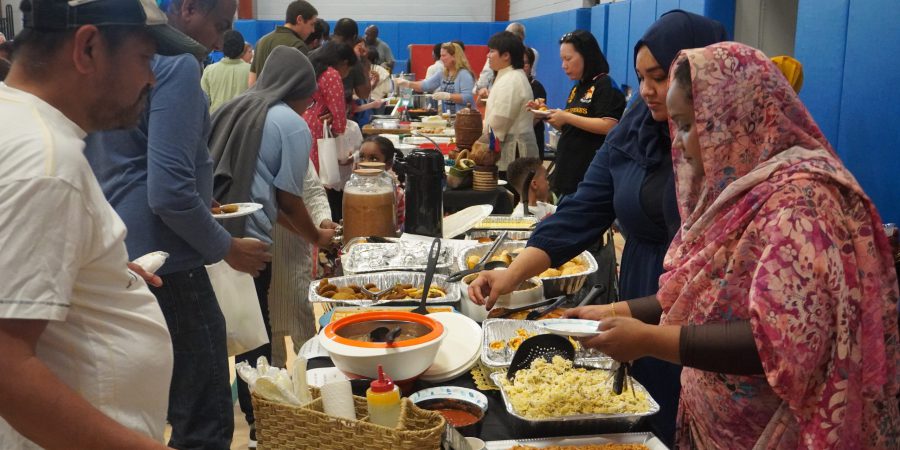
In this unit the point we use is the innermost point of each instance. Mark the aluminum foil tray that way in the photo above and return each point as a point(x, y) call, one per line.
point(386, 279)
point(404, 255)
point(361, 240)
point(493, 234)
point(647, 439)
point(578, 421)
point(506, 223)
point(553, 286)
point(504, 329)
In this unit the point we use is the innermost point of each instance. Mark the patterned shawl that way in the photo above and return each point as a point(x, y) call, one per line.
point(779, 233)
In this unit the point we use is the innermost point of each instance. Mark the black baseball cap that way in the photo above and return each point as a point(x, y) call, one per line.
point(57, 15)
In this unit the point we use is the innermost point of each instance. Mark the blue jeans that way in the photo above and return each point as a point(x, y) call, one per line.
point(200, 405)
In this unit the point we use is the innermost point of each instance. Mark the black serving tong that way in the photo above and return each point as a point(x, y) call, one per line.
point(538, 313)
point(544, 346)
point(621, 377)
point(499, 313)
point(433, 254)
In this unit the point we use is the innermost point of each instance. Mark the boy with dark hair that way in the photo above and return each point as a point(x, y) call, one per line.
point(299, 22)
point(227, 78)
point(537, 189)
point(357, 82)
point(319, 35)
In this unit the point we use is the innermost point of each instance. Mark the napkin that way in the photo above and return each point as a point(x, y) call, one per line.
point(337, 399)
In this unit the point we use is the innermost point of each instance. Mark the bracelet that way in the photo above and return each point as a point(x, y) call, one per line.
point(613, 307)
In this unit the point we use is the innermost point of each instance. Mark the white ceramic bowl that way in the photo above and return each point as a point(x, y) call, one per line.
point(403, 360)
point(514, 299)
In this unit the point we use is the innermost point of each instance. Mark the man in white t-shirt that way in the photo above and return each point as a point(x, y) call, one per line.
point(86, 355)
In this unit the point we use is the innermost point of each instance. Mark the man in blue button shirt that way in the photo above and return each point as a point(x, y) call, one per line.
point(158, 177)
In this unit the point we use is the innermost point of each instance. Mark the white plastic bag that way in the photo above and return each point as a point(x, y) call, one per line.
point(348, 148)
point(329, 170)
point(240, 306)
point(350, 141)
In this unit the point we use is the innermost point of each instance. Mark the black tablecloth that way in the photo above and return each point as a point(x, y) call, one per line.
point(497, 424)
point(459, 199)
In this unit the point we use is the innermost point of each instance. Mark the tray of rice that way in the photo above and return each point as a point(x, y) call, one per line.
point(560, 396)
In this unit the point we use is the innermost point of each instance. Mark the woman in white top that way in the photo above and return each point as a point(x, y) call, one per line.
point(506, 114)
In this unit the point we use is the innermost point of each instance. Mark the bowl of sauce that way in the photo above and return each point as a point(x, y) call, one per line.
point(463, 408)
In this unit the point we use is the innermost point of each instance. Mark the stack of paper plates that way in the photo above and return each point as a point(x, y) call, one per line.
point(460, 349)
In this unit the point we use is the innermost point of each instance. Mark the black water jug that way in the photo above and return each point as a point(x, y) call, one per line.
point(424, 192)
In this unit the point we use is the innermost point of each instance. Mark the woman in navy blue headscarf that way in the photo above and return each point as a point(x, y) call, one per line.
point(630, 179)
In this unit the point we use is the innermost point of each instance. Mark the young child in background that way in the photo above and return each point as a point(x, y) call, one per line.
point(379, 149)
point(539, 201)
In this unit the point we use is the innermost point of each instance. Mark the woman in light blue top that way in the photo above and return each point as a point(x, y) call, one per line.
point(453, 85)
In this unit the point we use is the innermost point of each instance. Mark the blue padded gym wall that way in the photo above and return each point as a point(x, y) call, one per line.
point(543, 34)
point(850, 87)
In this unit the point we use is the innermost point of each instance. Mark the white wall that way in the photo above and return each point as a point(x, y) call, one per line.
point(17, 15)
point(388, 10)
point(769, 25)
point(523, 9)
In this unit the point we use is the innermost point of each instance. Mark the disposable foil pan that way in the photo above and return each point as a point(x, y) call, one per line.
point(506, 223)
point(553, 286)
point(579, 422)
point(504, 329)
point(386, 280)
point(647, 439)
point(493, 234)
point(403, 255)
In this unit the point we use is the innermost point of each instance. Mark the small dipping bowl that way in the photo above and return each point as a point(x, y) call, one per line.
point(464, 409)
point(529, 292)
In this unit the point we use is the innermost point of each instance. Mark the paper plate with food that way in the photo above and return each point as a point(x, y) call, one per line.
point(540, 113)
point(230, 210)
point(539, 108)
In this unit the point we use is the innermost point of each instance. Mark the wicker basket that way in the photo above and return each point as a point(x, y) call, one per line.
point(281, 426)
point(484, 178)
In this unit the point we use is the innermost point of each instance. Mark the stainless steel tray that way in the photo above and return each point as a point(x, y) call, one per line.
point(648, 439)
point(404, 255)
point(504, 329)
point(387, 279)
point(506, 223)
point(579, 420)
point(553, 286)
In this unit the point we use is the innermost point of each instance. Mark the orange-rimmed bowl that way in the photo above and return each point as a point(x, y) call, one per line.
point(405, 359)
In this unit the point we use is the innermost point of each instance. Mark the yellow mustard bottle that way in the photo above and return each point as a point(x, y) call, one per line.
point(383, 400)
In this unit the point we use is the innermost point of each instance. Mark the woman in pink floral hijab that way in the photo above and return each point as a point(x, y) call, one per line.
point(780, 247)
point(777, 231)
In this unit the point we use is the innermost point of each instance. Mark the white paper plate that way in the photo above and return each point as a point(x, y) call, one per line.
point(444, 377)
point(459, 350)
point(571, 327)
point(461, 221)
point(243, 210)
point(539, 113)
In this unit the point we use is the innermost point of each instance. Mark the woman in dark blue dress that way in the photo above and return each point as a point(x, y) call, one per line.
point(629, 179)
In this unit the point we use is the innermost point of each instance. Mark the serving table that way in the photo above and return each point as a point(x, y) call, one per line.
point(497, 424)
